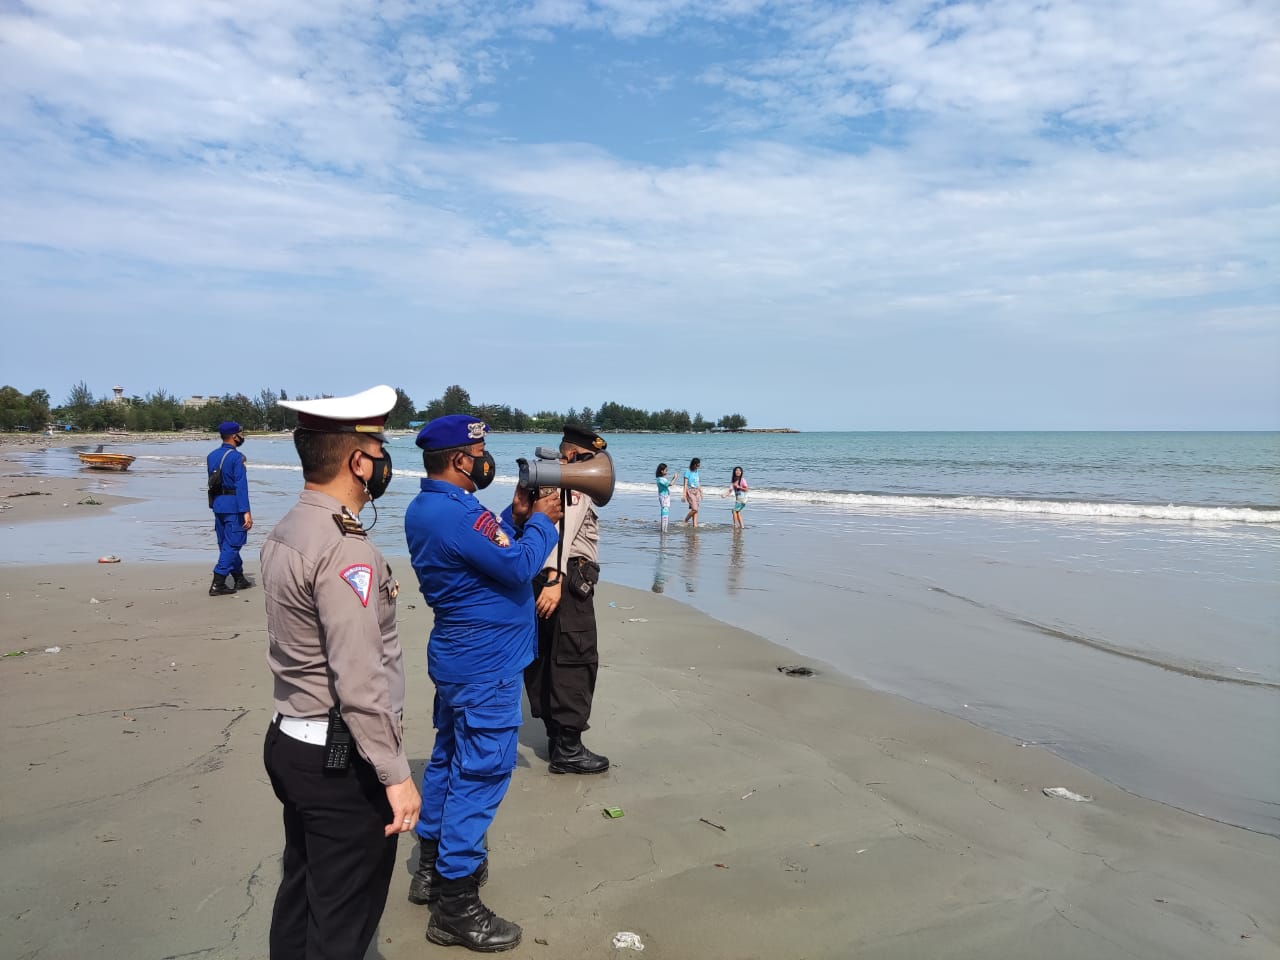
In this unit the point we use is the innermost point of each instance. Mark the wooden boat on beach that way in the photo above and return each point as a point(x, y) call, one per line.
point(106, 461)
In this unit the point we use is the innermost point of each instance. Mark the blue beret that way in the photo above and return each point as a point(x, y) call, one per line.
point(455, 430)
point(227, 427)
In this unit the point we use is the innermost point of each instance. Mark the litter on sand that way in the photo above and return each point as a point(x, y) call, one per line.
point(613, 813)
point(52, 649)
point(1062, 793)
point(636, 620)
point(109, 558)
point(710, 824)
point(625, 940)
point(791, 670)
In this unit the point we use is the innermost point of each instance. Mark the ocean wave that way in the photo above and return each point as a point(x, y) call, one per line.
point(855, 501)
point(998, 504)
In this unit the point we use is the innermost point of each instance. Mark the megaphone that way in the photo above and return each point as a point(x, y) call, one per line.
point(594, 477)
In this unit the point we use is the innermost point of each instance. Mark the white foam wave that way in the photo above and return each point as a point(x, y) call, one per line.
point(924, 502)
point(1063, 508)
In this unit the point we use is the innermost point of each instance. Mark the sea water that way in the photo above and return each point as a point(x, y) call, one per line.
point(1114, 597)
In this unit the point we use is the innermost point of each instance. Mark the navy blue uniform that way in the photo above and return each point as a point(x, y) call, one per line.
point(229, 509)
point(475, 573)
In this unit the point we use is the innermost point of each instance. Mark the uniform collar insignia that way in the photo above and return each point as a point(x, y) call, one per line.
point(349, 525)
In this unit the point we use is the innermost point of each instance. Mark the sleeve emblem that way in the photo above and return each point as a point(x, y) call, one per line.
point(360, 578)
point(487, 525)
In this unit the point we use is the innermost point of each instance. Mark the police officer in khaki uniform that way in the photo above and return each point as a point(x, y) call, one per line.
point(561, 682)
point(334, 749)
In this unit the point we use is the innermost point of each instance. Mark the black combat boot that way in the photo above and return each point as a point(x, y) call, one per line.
point(242, 582)
point(219, 587)
point(425, 886)
point(458, 917)
point(570, 755)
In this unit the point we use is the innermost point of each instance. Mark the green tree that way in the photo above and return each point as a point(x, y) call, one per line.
point(80, 397)
point(401, 413)
point(455, 400)
point(733, 421)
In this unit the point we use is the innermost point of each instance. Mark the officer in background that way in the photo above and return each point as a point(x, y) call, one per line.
point(334, 750)
point(232, 520)
point(562, 681)
point(474, 571)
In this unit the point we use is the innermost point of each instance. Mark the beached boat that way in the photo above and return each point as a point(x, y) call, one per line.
point(106, 461)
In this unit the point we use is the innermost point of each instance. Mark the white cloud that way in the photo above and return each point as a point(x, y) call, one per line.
point(1064, 170)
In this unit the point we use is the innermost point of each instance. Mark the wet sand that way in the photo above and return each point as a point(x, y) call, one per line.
point(30, 498)
point(765, 815)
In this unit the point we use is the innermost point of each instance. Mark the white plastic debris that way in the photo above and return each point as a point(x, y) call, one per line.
point(636, 620)
point(625, 940)
point(52, 649)
point(1062, 793)
point(94, 600)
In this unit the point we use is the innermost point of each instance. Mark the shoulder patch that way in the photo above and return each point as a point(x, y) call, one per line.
point(360, 578)
point(487, 525)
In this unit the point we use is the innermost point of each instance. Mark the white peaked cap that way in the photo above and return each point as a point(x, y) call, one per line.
point(364, 412)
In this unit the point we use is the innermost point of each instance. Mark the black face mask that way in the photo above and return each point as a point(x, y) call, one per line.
point(377, 485)
point(238, 440)
point(483, 469)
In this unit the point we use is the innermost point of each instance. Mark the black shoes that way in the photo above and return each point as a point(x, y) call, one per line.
point(219, 587)
point(569, 755)
point(242, 582)
point(424, 888)
point(459, 918)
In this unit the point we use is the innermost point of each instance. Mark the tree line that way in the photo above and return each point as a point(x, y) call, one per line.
point(163, 411)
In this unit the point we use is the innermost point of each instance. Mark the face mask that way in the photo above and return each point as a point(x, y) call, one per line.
point(376, 485)
point(482, 469)
point(238, 441)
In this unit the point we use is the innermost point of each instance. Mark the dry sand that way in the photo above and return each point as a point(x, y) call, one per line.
point(766, 816)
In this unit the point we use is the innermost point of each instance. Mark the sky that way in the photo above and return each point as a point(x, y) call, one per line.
point(821, 215)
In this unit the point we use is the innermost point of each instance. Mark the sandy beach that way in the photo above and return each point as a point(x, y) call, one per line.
point(766, 815)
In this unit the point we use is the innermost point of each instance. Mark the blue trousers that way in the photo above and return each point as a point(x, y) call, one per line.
point(477, 728)
point(231, 537)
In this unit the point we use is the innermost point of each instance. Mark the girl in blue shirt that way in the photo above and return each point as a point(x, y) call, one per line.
point(692, 491)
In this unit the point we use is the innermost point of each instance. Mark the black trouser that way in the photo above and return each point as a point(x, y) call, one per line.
point(561, 681)
point(337, 865)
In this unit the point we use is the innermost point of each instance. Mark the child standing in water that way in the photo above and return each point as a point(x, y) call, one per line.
point(737, 487)
point(692, 491)
point(664, 494)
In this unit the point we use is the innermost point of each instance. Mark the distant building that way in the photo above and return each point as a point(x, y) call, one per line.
point(119, 394)
point(195, 401)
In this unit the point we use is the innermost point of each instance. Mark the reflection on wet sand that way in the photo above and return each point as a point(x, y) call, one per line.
point(737, 562)
point(689, 562)
point(660, 566)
